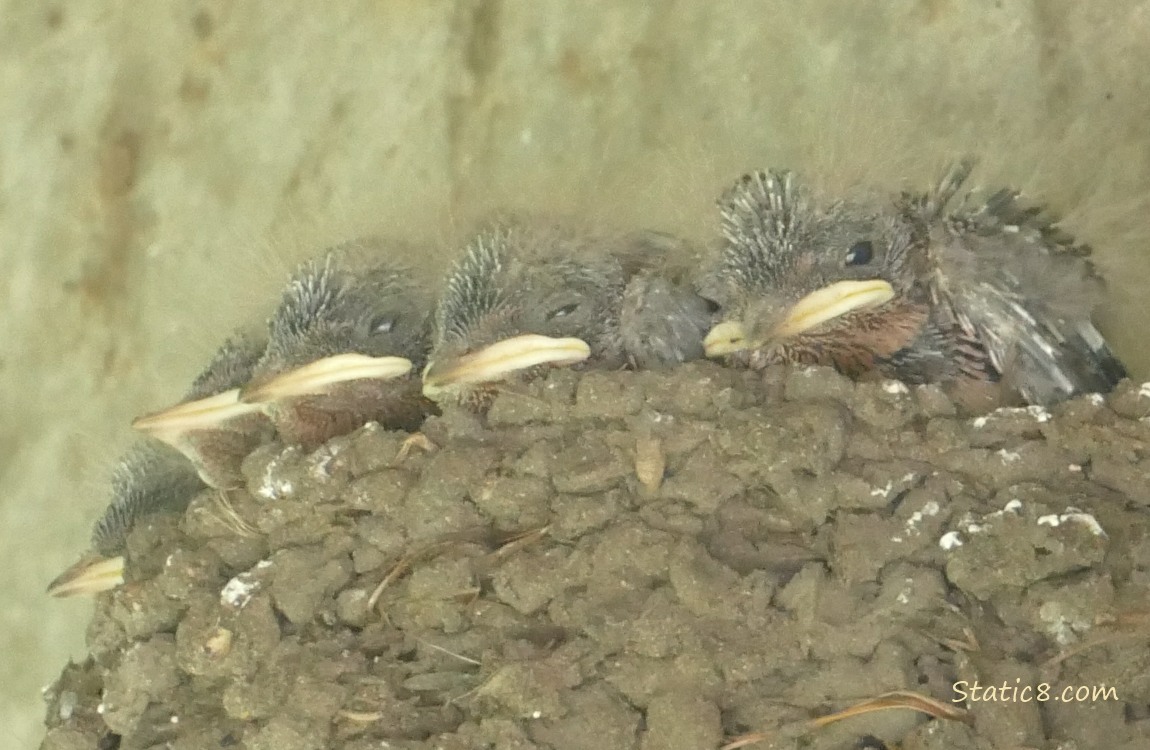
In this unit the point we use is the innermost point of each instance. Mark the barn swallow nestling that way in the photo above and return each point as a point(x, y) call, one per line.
point(151, 478)
point(211, 426)
point(917, 288)
point(212, 430)
point(525, 296)
point(344, 348)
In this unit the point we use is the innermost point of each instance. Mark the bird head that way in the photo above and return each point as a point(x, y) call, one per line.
point(341, 319)
point(795, 280)
point(212, 404)
point(149, 479)
point(521, 298)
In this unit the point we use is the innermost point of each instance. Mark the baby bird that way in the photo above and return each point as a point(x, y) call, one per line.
point(151, 478)
point(211, 426)
point(920, 289)
point(349, 330)
point(524, 296)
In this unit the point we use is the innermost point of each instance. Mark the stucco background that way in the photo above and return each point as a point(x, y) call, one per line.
point(162, 166)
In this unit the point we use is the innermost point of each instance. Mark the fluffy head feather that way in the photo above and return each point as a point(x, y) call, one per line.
point(150, 478)
point(348, 300)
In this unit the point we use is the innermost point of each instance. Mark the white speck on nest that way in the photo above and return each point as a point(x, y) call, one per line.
point(1144, 391)
point(1039, 413)
point(1096, 398)
point(321, 463)
point(950, 540)
point(67, 704)
point(1073, 515)
point(1076, 468)
point(174, 719)
point(895, 387)
point(1061, 631)
point(883, 491)
point(101, 708)
point(1059, 626)
point(240, 590)
point(168, 561)
point(930, 508)
point(1008, 457)
point(1013, 506)
point(272, 488)
point(909, 477)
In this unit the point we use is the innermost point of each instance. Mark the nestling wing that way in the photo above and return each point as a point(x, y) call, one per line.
point(1023, 289)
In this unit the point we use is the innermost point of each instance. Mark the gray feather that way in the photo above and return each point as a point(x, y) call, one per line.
point(1012, 277)
point(760, 217)
point(149, 479)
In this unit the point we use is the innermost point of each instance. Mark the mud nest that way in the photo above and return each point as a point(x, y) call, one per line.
point(645, 560)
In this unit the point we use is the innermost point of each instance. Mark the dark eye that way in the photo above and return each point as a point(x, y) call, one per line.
point(563, 311)
point(382, 325)
point(860, 253)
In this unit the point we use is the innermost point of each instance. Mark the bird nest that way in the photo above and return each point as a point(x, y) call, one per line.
point(647, 560)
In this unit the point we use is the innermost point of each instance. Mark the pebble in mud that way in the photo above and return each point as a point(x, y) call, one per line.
point(810, 542)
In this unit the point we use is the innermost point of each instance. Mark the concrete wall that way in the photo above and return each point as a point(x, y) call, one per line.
point(162, 165)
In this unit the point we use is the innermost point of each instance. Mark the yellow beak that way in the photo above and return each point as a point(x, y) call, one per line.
point(818, 307)
point(495, 362)
point(725, 338)
point(314, 377)
point(170, 425)
point(89, 577)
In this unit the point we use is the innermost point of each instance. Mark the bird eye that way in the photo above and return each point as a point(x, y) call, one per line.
point(563, 311)
point(382, 325)
point(860, 253)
